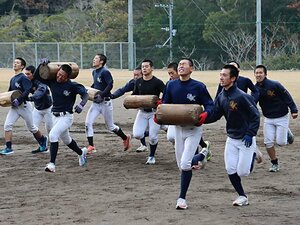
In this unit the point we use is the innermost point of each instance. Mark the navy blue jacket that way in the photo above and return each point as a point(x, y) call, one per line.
point(188, 92)
point(22, 83)
point(103, 81)
point(239, 110)
point(41, 95)
point(274, 99)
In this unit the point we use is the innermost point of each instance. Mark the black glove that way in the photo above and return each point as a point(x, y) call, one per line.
point(78, 108)
point(98, 99)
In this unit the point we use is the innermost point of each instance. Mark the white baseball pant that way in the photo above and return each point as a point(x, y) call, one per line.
point(143, 121)
point(24, 111)
point(186, 142)
point(276, 129)
point(238, 158)
point(106, 109)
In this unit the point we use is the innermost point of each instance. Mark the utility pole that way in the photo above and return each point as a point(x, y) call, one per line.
point(258, 33)
point(172, 32)
point(131, 63)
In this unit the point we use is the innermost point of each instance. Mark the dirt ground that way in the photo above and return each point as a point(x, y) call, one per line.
point(116, 187)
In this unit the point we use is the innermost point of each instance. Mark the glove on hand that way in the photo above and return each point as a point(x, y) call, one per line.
point(44, 61)
point(248, 140)
point(15, 103)
point(202, 118)
point(98, 99)
point(155, 119)
point(158, 102)
point(78, 108)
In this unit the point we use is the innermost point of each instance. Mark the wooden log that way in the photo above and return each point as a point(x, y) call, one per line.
point(92, 92)
point(140, 101)
point(178, 114)
point(6, 98)
point(49, 71)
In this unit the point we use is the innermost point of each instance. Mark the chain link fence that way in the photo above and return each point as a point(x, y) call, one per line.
point(81, 53)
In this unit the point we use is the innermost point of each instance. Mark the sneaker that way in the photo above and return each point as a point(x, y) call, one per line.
point(290, 137)
point(241, 201)
point(259, 155)
point(209, 154)
point(91, 149)
point(82, 157)
point(44, 145)
point(142, 148)
point(150, 160)
point(40, 150)
point(50, 167)
point(181, 204)
point(127, 143)
point(274, 168)
point(6, 151)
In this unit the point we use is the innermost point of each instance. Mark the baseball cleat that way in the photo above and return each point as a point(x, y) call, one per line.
point(209, 154)
point(127, 143)
point(241, 201)
point(50, 167)
point(82, 158)
point(274, 168)
point(91, 149)
point(142, 148)
point(40, 150)
point(150, 160)
point(6, 151)
point(181, 204)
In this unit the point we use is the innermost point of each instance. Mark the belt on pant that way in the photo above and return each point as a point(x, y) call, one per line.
point(106, 99)
point(147, 110)
point(57, 114)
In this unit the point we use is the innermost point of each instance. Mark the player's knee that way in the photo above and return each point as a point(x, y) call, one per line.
point(8, 127)
point(153, 141)
point(243, 173)
point(185, 165)
point(230, 170)
point(282, 143)
point(138, 135)
point(269, 145)
point(53, 137)
point(66, 140)
point(33, 129)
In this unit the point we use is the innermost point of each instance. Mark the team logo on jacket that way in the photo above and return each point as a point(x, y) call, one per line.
point(17, 85)
point(191, 97)
point(99, 79)
point(270, 93)
point(233, 106)
point(66, 93)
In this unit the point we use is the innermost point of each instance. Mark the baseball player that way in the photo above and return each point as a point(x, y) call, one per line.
point(186, 90)
point(42, 99)
point(103, 81)
point(147, 85)
point(20, 108)
point(275, 102)
point(244, 84)
point(129, 86)
point(242, 116)
point(173, 74)
point(64, 92)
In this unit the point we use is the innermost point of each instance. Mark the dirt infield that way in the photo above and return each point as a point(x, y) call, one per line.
point(116, 187)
